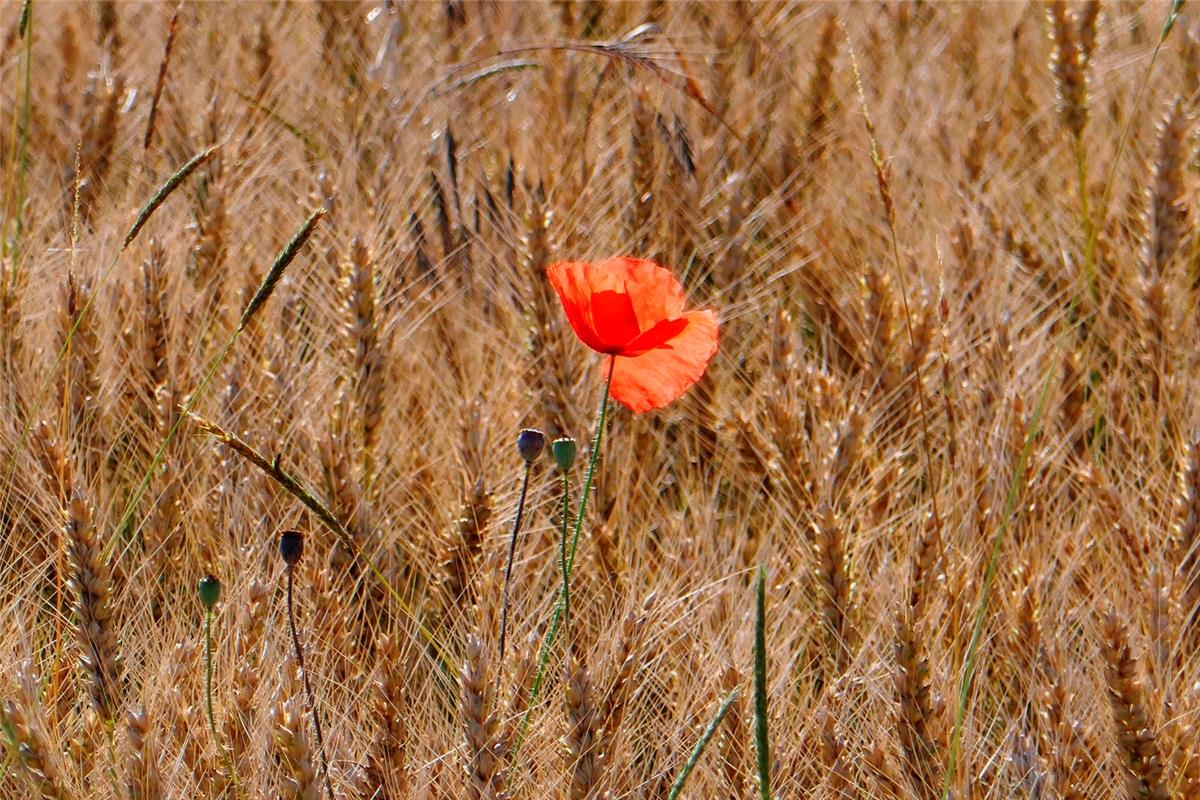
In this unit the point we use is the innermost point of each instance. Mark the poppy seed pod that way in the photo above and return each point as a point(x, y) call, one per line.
point(564, 452)
point(291, 546)
point(530, 442)
point(209, 589)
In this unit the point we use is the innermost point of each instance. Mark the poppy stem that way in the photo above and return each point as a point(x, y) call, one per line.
point(308, 691)
point(565, 566)
point(208, 703)
point(512, 549)
point(561, 608)
point(593, 457)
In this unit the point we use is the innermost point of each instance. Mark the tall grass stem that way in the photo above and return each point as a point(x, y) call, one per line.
point(1085, 214)
point(274, 470)
point(1013, 496)
point(285, 257)
point(26, 30)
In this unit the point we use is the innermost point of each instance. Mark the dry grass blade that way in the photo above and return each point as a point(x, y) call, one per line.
point(161, 81)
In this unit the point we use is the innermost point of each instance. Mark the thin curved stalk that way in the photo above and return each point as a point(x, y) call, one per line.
point(308, 691)
point(761, 733)
point(512, 550)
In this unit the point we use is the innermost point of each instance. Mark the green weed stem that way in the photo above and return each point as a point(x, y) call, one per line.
point(273, 469)
point(1085, 213)
point(285, 257)
point(26, 29)
point(1031, 432)
point(157, 200)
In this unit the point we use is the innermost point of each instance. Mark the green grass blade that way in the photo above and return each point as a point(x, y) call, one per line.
point(309, 143)
point(761, 744)
point(285, 257)
point(517, 65)
point(164, 191)
point(52, 373)
point(292, 485)
point(698, 750)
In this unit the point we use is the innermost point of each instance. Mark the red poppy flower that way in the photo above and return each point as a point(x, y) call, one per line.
point(633, 310)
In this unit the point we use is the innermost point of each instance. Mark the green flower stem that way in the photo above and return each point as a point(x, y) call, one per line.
point(564, 564)
point(208, 703)
point(593, 458)
point(560, 607)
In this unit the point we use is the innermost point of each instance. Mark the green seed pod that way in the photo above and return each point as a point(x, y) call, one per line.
point(209, 589)
point(564, 452)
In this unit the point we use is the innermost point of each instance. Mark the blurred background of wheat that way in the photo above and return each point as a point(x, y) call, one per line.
point(861, 430)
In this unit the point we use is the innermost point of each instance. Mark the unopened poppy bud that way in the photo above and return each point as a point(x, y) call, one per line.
point(564, 452)
point(530, 442)
point(209, 589)
point(291, 546)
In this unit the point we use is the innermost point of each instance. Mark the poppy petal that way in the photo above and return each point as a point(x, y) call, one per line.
point(614, 319)
point(572, 281)
point(655, 337)
point(653, 290)
point(658, 376)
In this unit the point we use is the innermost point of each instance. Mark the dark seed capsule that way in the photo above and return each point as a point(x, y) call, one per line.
point(209, 589)
point(564, 452)
point(291, 546)
point(530, 443)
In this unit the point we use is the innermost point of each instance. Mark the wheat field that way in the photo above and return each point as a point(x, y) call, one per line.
point(951, 416)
